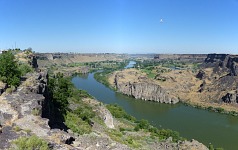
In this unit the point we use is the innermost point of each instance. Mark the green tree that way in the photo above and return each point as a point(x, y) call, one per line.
point(9, 71)
point(60, 88)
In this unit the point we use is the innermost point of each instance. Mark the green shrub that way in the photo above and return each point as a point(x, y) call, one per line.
point(132, 143)
point(30, 143)
point(79, 120)
point(143, 124)
point(137, 128)
point(219, 149)
point(211, 147)
point(9, 70)
point(115, 135)
point(153, 130)
point(17, 128)
point(220, 110)
point(79, 94)
point(210, 108)
point(11, 89)
point(76, 124)
point(166, 133)
point(122, 129)
point(3, 79)
point(25, 68)
point(35, 112)
point(118, 112)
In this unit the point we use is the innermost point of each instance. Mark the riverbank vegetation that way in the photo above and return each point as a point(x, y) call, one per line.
point(100, 65)
point(142, 126)
point(212, 109)
point(102, 76)
point(68, 105)
point(80, 116)
point(161, 134)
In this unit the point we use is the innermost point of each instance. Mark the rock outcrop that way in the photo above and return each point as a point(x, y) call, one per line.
point(222, 63)
point(200, 75)
point(230, 98)
point(142, 88)
point(21, 115)
point(33, 62)
point(223, 77)
point(146, 91)
point(3, 87)
point(21, 111)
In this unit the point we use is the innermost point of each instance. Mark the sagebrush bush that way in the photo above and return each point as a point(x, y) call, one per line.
point(30, 143)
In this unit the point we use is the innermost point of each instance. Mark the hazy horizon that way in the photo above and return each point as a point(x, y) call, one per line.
point(121, 26)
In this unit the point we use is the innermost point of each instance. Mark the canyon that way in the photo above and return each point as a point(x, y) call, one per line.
point(214, 85)
point(26, 111)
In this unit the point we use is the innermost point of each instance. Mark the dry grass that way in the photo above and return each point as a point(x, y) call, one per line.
point(184, 85)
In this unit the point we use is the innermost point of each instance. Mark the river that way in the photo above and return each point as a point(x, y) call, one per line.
point(207, 127)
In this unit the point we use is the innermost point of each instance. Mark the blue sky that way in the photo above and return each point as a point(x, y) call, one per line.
point(120, 26)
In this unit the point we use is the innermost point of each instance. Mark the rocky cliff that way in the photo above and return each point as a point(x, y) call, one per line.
point(22, 114)
point(26, 111)
point(182, 57)
point(141, 88)
point(213, 85)
point(48, 59)
point(222, 63)
point(222, 77)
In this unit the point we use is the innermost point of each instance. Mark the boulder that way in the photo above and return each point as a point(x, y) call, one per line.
point(200, 75)
point(230, 98)
point(3, 87)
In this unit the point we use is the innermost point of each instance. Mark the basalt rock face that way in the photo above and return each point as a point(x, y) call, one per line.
point(200, 75)
point(223, 63)
point(230, 98)
point(21, 111)
point(233, 65)
point(34, 62)
point(223, 78)
point(17, 106)
point(144, 90)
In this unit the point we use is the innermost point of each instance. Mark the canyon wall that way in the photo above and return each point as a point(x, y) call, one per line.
point(226, 62)
point(181, 57)
point(224, 76)
point(142, 89)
